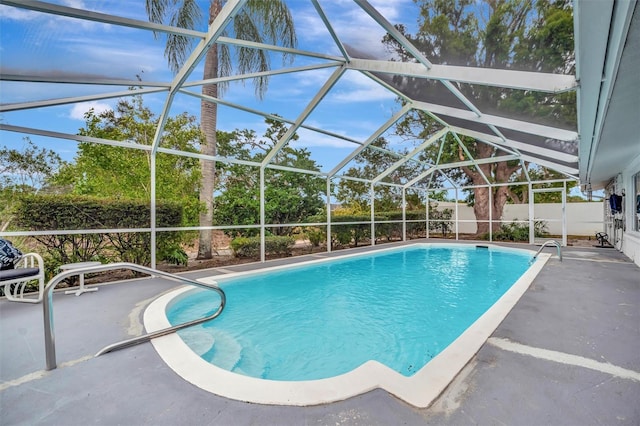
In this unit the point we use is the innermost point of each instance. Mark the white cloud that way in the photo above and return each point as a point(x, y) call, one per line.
point(78, 4)
point(375, 93)
point(78, 110)
point(16, 14)
point(310, 139)
point(121, 59)
point(354, 27)
point(356, 87)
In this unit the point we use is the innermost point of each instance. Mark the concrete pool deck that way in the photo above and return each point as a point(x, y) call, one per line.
point(568, 353)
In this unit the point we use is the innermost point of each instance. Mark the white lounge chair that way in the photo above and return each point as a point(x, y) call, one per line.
point(29, 268)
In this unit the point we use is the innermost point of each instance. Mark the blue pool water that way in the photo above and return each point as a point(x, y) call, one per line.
point(399, 307)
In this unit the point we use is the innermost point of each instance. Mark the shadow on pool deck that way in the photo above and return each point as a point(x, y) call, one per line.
point(568, 353)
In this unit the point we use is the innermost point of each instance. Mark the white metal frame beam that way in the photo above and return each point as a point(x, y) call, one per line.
point(508, 79)
point(473, 160)
point(76, 99)
point(70, 12)
point(70, 78)
point(476, 162)
point(261, 74)
point(390, 122)
point(329, 27)
point(518, 125)
point(124, 144)
point(397, 35)
point(273, 48)
point(545, 152)
point(446, 166)
point(333, 79)
point(433, 138)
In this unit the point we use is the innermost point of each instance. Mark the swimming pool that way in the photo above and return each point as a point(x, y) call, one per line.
point(327, 327)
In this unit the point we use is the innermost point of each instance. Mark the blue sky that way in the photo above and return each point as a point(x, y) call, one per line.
point(36, 43)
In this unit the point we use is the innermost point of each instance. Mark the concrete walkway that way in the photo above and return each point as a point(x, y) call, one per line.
point(568, 353)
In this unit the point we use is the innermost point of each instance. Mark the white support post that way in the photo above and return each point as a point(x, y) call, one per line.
point(531, 213)
point(153, 210)
point(404, 215)
point(373, 214)
point(328, 214)
point(263, 257)
point(490, 213)
point(564, 214)
point(456, 214)
point(427, 216)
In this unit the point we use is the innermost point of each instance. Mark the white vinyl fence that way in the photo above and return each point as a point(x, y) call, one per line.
point(582, 218)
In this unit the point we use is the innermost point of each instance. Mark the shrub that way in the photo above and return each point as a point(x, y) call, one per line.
point(250, 246)
point(515, 231)
point(48, 212)
point(341, 235)
point(316, 236)
point(174, 255)
point(279, 245)
point(245, 246)
point(440, 220)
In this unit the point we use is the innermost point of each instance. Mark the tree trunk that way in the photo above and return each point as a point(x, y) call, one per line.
point(499, 196)
point(208, 124)
point(481, 209)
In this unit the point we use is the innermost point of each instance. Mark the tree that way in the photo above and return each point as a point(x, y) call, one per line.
point(290, 197)
point(28, 169)
point(259, 21)
point(115, 172)
point(355, 196)
point(520, 193)
point(24, 171)
point(515, 35)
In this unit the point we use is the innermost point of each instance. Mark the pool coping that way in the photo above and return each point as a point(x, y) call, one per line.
point(418, 390)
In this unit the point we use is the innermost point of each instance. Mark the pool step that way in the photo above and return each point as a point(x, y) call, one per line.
point(226, 351)
point(200, 341)
point(223, 350)
point(251, 363)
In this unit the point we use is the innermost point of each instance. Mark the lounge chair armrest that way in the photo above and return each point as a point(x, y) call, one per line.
point(31, 260)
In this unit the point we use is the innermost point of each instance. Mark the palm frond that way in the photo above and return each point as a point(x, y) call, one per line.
point(178, 46)
point(156, 10)
point(274, 19)
point(249, 59)
point(183, 14)
point(263, 22)
point(225, 67)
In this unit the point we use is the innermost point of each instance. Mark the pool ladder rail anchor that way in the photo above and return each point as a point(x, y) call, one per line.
point(548, 243)
point(47, 307)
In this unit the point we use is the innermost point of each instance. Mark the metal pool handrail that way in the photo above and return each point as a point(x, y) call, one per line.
point(47, 307)
point(550, 242)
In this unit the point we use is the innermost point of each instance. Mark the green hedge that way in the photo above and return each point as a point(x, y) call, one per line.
point(250, 246)
point(355, 234)
point(64, 212)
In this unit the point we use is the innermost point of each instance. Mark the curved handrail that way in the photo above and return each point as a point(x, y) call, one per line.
point(550, 242)
point(47, 307)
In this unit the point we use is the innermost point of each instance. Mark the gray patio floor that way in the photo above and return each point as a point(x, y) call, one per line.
point(568, 353)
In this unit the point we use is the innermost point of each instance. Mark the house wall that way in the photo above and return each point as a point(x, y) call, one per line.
point(582, 218)
point(631, 238)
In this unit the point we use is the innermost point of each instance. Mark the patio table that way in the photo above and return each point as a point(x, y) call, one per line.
point(71, 266)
